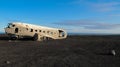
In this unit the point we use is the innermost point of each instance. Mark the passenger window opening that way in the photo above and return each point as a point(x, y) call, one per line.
point(35, 30)
point(43, 31)
point(31, 30)
point(51, 33)
point(26, 25)
point(39, 30)
point(48, 32)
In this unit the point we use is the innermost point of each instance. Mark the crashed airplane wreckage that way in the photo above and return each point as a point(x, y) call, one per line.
point(38, 33)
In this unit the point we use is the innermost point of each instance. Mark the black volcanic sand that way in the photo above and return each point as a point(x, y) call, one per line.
point(75, 51)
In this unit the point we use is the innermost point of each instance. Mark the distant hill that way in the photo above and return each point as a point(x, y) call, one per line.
point(91, 34)
point(2, 32)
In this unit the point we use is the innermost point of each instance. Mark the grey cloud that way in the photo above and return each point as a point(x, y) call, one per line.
point(114, 15)
point(101, 6)
point(109, 6)
point(75, 22)
point(105, 4)
point(88, 24)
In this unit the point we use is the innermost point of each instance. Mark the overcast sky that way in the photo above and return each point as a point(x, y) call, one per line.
point(75, 16)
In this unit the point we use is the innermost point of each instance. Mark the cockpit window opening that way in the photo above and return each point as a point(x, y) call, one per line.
point(9, 25)
point(13, 25)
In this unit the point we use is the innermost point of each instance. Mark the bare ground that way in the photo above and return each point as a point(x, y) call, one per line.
point(75, 51)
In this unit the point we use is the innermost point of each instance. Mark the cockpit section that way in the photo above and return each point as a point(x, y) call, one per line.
point(10, 28)
point(10, 25)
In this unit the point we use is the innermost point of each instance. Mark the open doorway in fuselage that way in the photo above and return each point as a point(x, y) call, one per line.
point(16, 30)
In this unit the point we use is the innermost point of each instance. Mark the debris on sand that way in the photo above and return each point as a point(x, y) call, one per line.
point(13, 41)
point(7, 62)
point(113, 52)
point(9, 41)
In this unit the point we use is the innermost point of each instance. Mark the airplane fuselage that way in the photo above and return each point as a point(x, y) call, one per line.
point(21, 30)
